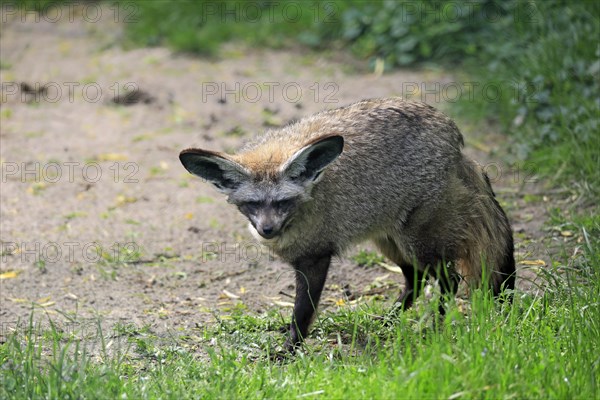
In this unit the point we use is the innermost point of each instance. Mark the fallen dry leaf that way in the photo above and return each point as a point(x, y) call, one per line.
point(541, 263)
point(43, 300)
point(230, 295)
point(283, 303)
point(124, 200)
point(15, 300)
point(9, 274)
point(391, 268)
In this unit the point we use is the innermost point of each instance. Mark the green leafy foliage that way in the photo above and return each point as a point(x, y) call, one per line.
point(403, 33)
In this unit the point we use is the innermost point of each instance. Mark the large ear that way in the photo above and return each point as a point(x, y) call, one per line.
point(308, 163)
point(216, 168)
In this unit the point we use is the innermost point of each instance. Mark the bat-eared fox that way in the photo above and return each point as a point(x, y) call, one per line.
point(387, 170)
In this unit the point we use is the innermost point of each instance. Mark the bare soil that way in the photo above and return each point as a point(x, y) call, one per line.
point(90, 136)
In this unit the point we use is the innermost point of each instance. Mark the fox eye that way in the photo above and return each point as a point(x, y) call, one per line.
point(283, 204)
point(251, 206)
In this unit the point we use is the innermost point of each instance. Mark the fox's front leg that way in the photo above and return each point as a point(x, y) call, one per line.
point(310, 279)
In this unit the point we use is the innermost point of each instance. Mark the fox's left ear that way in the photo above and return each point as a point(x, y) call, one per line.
point(308, 163)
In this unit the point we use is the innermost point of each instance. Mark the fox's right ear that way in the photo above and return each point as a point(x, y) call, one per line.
point(216, 168)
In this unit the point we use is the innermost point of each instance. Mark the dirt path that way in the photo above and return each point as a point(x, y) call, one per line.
point(81, 174)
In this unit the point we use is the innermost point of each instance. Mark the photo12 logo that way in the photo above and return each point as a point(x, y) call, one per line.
point(288, 12)
point(54, 92)
point(70, 171)
point(253, 92)
point(42, 253)
point(69, 11)
point(224, 252)
point(451, 92)
point(463, 11)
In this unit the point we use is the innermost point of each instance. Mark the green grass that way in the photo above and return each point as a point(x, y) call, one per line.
point(366, 258)
point(546, 345)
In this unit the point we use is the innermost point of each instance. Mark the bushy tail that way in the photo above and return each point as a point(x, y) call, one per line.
point(505, 272)
point(489, 235)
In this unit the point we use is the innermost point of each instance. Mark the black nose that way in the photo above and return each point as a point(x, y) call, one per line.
point(267, 230)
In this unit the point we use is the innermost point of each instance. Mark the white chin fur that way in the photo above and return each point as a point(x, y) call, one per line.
point(257, 236)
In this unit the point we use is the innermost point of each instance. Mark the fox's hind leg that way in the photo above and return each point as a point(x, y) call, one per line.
point(414, 282)
point(448, 280)
point(414, 279)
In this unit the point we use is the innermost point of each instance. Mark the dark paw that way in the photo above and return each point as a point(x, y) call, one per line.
point(291, 346)
point(284, 329)
point(284, 354)
point(281, 356)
